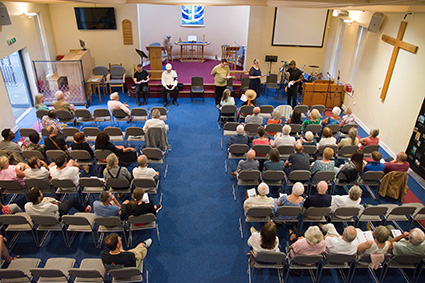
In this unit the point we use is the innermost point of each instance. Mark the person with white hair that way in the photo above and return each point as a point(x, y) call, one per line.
point(285, 138)
point(348, 117)
point(62, 105)
point(311, 244)
point(115, 103)
point(408, 243)
point(340, 244)
point(169, 84)
point(260, 200)
point(321, 199)
point(294, 199)
point(255, 118)
point(353, 199)
point(239, 138)
point(334, 119)
point(155, 122)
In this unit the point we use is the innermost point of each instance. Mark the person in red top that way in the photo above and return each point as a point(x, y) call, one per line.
point(399, 164)
point(372, 139)
point(274, 120)
point(261, 139)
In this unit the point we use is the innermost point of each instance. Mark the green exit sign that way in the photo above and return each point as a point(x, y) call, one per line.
point(11, 41)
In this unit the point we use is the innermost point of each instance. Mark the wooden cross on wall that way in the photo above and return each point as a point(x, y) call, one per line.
point(398, 43)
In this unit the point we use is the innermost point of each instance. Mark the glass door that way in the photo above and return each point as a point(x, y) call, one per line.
point(15, 79)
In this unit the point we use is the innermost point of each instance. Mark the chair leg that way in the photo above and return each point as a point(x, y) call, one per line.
point(234, 192)
point(157, 234)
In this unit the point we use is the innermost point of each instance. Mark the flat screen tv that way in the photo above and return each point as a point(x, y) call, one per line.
point(95, 18)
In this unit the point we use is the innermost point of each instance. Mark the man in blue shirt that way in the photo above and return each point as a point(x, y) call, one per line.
point(107, 205)
point(376, 165)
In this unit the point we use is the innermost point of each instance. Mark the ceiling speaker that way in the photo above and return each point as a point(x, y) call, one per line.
point(4, 16)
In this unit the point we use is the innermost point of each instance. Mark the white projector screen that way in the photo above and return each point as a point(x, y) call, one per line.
point(299, 27)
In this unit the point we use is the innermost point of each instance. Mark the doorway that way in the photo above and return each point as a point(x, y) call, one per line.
point(16, 82)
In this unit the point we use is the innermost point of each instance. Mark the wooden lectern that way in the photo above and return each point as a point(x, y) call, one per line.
point(322, 92)
point(155, 56)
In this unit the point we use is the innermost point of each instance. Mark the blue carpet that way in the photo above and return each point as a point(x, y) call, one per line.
point(199, 222)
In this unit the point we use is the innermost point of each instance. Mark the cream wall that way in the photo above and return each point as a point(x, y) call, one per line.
point(260, 43)
point(396, 116)
point(24, 30)
point(106, 46)
point(223, 25)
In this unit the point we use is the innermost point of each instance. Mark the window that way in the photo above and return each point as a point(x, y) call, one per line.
point(192, 15)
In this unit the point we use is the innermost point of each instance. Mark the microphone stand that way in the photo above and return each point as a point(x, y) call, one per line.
point(328, 89)
point(336, 89)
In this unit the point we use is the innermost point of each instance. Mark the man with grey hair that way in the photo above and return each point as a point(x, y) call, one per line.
point(284, 139)
point(260, 200)
point(155, 122)
point(353, 199)
point(114, 103)
point(169, 84)
point(337, 244)
point(249, 164)
point(239, 138)
point(321, 199)
point(107, 205)
point(62, 105)
point(53, 141)
point(413, 245)
point(255, 118)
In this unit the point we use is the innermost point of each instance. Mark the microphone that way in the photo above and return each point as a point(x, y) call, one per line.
point(338, 75)
point(329, 75)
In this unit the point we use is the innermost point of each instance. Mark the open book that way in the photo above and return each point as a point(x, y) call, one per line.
point(145, 198)
point(251, 192)
point(364, 236)
point(396, 233)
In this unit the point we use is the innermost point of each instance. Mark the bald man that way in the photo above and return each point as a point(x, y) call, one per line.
point(337, 244)
point(409, 243)
point(255, 118)
point(399, 164)
point(143, 171)
point(321, 199)
point(249, 164)
point(298, 160)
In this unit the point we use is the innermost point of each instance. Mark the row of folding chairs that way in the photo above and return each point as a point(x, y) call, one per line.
point(315, 264)
point(61, 269)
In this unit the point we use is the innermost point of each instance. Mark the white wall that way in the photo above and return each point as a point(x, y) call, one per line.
point(223, 25)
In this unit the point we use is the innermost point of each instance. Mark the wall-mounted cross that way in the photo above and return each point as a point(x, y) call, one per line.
point(398, 43)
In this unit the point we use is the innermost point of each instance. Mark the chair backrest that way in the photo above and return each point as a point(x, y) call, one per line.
point(90, 182)
point(70, 131)
point(408, 259)
point(238, 149)
point(75, 220)
point(301, 108)
point(117, 72)
point(346, 211)
point(38, 183)
point(80, 154)
point(347, 127)
point(261, 149)
point(228, 109)
point(372, 175)
point(101, 153)
point(10, 184)
point(251, 128)
point(64, 115)
point(403, 210)
point(156, 137)
point(14, 274)
point(48, 272)
point(65, 183)
point(258, 211)
point(197, 81)
point(324, 176)
point(41, 113)
point(45, 220)
point(315, 129)
point(91, 131)
point(295, 128)
point(25, 132)
point(132, 273)
point(375, 210)
point(83, 113)
point(101, 112)
point(162, 110)
point(44, 132)
point(110, 221)
point(144, 183)
point(230, 82)
point(13, 219)
point(334, 128)
point(113, 131)
point(310, 149)
point(333, 146)
point(244, 83)
point(319, 107)
point(286, 149)
point(249, 175)
point(119, 113)
point(266, 109)
point(348, 150)
point(273, 175)
point(270, 257)
point(143, 218)
point(55, 153)
point(288, 210)
point(153, 153)
point(85, 273)
point(230, 126)
point(100, 71)
point(370, 148)
point(306, 259)
point(340, 258)
point(139, 112)
point(118, 183)
point(30, 153)
point(274, 128)
point(300, 175)
point(318, 211)
point(271, 79)
point(134, 131)
point(246, 109)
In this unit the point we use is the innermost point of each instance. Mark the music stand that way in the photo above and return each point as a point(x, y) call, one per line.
point(141, 54)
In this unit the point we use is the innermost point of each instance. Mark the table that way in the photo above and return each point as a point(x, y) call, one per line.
point(94, 81)
point(192, 51)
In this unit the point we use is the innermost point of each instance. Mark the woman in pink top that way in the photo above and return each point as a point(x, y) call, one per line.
point(12, 172)
point(312, 244)
point(261, 139)
point(371, 139)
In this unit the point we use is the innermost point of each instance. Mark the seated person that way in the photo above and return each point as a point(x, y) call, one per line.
point(227, 98)
point(11, 208)
point(239, 138)
point(311, 244)
point(169, 84)
point(353, 168)
point(34, 145)
point(62, 105)
point(315, 119)
point(255, 118)
point(155, 122)
point(399, 164)
point(53, 141)
point(116, 257)
point(353, 199)
point(249, 164)
point(12, 147)
point(115, 103)
point(38, 169)
point(141, 79)
point(408, 243)
point(309, 139)
point(351, 139)
point(51, 120)
point(284, 139)
point(38, 103)
point(334, 119)
point(113, 170)
point(326, 164)
point(294, 199)
point(12, 172)
point(274, 120)
point(372, 139)
point(4, 252)
point(66, 170)
point(337, 244)
point(379, 245)
point(107, 205)
point(261, 139)
point(143, 171)
point(81, 144)
point(137, 206)
point(295, 118)
point(102, 142)
point(38, 205)
point(321, 199)
point(348, 118)
point(260, 200)
point(265, 240)
point(274, 162)
point(327, 138)
point(376, 165)
point(298, 160)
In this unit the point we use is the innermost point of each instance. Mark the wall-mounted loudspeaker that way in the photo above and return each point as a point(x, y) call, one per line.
point(375, 22)
point(4, 16)
point(271, 58)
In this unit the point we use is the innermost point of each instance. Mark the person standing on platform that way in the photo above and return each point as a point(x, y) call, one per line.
point(294, 76)
point(221, 73)
point(255, 77)
point(141, 78)
point(169, 84)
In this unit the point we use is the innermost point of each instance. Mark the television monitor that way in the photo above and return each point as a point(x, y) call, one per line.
point(95, 18)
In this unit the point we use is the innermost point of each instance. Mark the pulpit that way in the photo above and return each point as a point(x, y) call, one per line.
point(322, 92)
point(155, 57)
